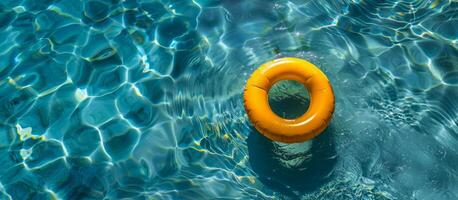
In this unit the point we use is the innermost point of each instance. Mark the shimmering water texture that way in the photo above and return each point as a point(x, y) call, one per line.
point(142, 99)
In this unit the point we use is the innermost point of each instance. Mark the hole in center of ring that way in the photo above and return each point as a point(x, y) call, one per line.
point(288, 99)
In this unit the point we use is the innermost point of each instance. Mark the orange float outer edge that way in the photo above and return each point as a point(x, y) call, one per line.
point(303, 128)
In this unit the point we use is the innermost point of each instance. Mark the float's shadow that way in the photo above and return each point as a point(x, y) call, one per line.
point(307, 176)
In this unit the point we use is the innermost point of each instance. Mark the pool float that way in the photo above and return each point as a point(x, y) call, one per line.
point(303, 128)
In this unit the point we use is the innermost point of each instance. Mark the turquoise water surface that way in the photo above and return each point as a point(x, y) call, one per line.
point(142, 99)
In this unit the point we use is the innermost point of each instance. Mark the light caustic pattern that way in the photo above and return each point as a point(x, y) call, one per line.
point(143, 99)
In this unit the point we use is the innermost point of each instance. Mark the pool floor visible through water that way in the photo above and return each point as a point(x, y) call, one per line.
point(143, 99)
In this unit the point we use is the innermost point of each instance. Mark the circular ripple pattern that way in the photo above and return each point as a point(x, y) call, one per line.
point(141, 99)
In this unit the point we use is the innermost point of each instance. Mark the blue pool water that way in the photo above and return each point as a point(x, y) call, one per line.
point(142, 99)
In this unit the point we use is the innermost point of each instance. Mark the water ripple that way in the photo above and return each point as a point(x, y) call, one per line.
point(143, 99)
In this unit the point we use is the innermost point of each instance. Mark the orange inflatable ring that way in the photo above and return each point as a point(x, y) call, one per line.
point(301, 129)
